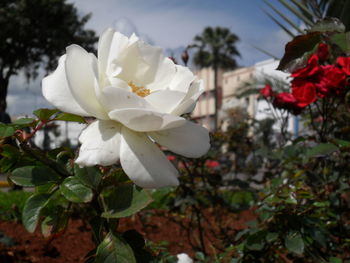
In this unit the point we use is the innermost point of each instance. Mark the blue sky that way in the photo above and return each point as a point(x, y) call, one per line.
point(171, 24)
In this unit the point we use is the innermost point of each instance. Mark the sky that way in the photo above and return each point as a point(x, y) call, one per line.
point(170, 24)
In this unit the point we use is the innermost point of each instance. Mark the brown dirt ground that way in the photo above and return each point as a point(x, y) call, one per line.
point(76, 242)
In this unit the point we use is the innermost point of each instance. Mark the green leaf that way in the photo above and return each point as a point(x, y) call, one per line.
point(24, 122)
point(342, 143)
point(329, 24)
point(335, 260)
point(34, 175)
point(54, 223)
point(294, 243)
point(296, 49)
point(124, 200)
point(45, 114)
point(271, 236)
point(342, 40)
point(70, 117)
point(89, 176)
point(114, 249)
point(6, 131)
point(256, 241)
point(75, 191)
point(32, 209)
point(321, 149)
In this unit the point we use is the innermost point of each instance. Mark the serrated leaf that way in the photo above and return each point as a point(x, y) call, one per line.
point(296, 49)
point(89, 176)
point(70, 117)
point(6, 131)
point(75, 191)
point(321, 149)
point(45, 114)
point(114, 249)
point(124, 200)
point(32, 209)
point(294, 243)
point(33, 176)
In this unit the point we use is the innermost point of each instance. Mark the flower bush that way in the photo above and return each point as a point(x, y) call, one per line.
point(303, 207)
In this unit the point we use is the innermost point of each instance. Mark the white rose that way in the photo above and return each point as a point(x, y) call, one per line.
point(137, 96)
point(183, 258)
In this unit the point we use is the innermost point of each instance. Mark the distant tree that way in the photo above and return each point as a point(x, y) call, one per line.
point(34, 33)
point(216, 48)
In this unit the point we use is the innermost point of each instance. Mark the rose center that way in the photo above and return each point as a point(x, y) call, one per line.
point(139, 90)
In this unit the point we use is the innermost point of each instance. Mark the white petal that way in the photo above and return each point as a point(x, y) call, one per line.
point(190, 140)
point(100, 144)
point(113, 98)
point(152, 56)
point(144, 162)
point(182, 79)
point(118, 51)
point(56, 91)
point(165, 73)
point(165, 100)
point(104, 45)
point(145, 120)
point(188, 103)
point(80, 70)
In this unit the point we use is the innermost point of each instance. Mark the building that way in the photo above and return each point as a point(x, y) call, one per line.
point(205, 107)
point(231, 84)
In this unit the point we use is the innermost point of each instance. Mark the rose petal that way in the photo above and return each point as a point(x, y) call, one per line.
point(165, 100)
point(190, 140)
point(56, 91)
point(182, 79)
point(188, 103)
point(145, 120)
point(113, 98)
point(144, 162)
point(104, 45)
point(165, 73)
point(100, 144)
point(80, 70)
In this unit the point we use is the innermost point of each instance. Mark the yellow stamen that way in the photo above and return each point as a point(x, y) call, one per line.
point(139, 90)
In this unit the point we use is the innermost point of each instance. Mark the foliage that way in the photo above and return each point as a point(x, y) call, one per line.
point(303, 205)
point(35, 33)
point(62, 189)
point(308, 12)
point(12, 203)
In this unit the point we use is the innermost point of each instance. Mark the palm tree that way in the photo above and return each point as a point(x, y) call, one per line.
point(308, 12)
point(216, 48)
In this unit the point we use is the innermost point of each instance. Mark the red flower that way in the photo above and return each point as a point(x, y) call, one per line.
point(171, 157)
point(332, 79)
point(266, 91)
point(287, 101)
point(304, 92)
point(310, 70)
point(344, 62)
point(212, 164)
point(323, 52)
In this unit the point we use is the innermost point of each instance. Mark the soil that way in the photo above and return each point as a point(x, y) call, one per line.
point(180, 233)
